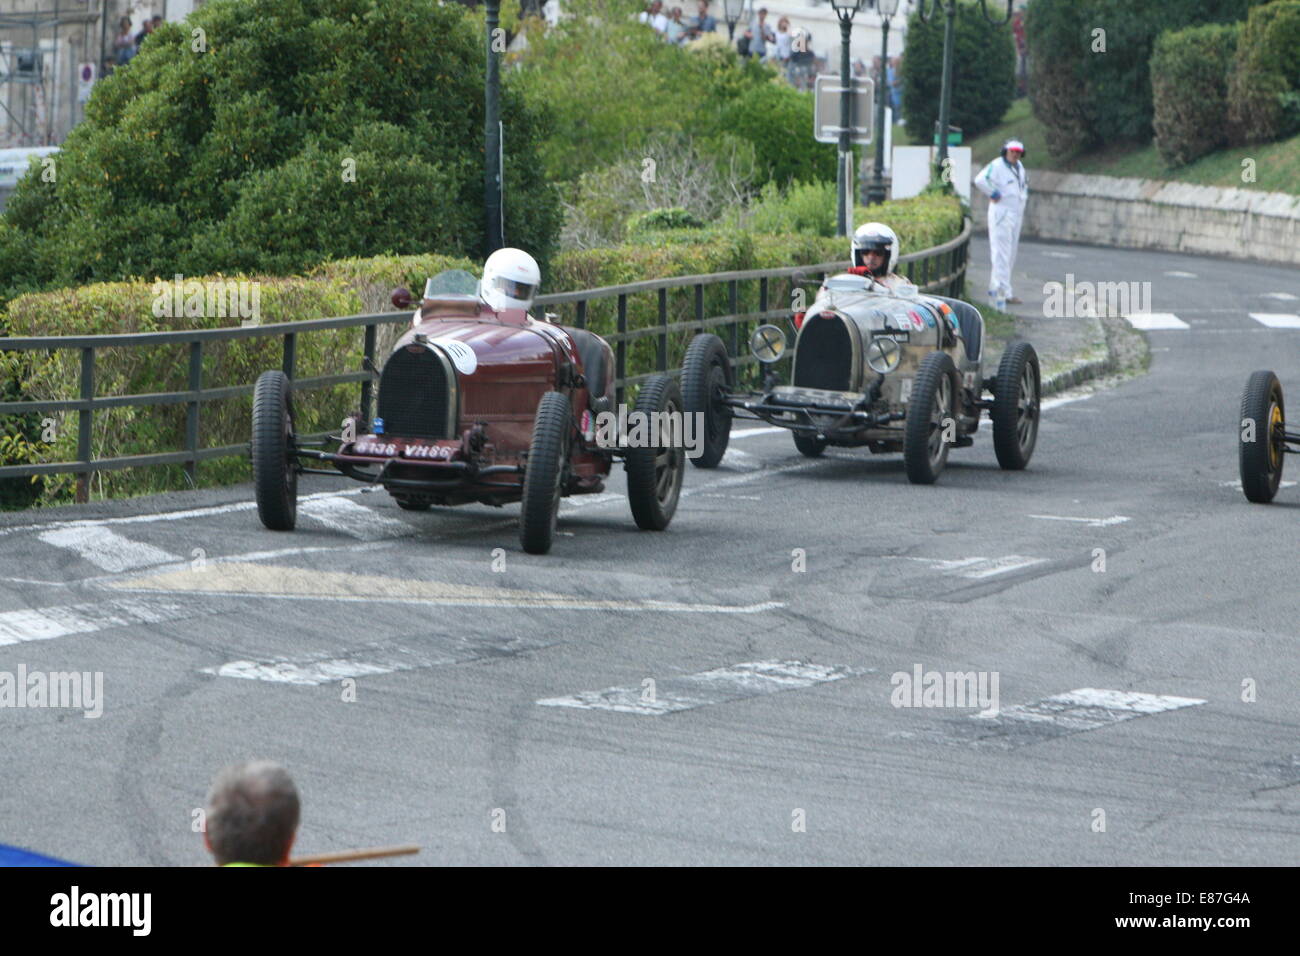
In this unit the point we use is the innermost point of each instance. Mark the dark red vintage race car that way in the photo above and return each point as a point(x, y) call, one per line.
point(477, 405)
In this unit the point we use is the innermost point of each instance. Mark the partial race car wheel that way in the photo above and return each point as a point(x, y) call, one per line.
point(654, 475)
point(931, 418)
point(1016, 406)
point(275, 471)
point(706, 377)
point(1263, 422)
point(810, 446)
point(548, 460)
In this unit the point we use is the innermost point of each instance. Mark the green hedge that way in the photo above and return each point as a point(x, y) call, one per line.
point(1189, 90)
point(1264, 88)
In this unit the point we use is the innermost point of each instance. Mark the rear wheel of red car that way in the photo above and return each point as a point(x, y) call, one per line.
point(931, 417)
point(275, 471)
point(548, 460)
point(1263, 420)
point(706, 378)
point(654, 475)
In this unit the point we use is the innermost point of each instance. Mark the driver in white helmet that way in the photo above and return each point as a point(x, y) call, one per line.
point(875, 253)
point(510, 280)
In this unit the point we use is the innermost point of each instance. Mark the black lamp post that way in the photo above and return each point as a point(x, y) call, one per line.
point(492, 136)
point(876, 189)
point(733, 11)
point(844, 9)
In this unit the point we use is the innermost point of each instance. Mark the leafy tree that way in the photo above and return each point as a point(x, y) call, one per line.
point(273, 134)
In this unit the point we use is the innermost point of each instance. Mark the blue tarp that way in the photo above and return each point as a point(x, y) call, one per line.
point(15, 856)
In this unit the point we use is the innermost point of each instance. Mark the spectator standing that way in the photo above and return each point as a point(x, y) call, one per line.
point(653, 16)
point(702, 23)
point(783, 41)
point(124, 44)
point(762, 34)
point(676, 31)
point(1006, 184)
point(145, 29)
point(252, 816)
point(896, 86)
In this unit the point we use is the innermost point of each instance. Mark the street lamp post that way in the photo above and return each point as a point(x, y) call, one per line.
point(844, 9)
point(492, 135)
point(733, 11)
point(876, 189)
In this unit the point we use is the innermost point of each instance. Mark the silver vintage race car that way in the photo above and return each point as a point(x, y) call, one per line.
point(892, 369)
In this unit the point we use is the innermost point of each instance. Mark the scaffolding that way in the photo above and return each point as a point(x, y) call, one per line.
point(50, 55)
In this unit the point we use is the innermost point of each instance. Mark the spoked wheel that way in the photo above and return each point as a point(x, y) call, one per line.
point(1016, 406)
point(1263, 422)
point(654, 475)
point(275, 470)
point(548, 462)
point(810, 446)
point(930, 414)
point(706, 379)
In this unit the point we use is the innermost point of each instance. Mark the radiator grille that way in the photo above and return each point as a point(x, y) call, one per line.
point(824, 355)
point(413, 395)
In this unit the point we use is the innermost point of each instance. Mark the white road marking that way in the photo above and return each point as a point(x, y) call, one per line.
point(979, 568)
point(1283, 296)
point(736, 682)
point(1087, 709)
point(1156, 321)
point(354, 520)
point(585, 501)
point(371, 661)
point(1059, 255)
point(1237, 484)
point(1277, 320)
point(751, 432)
point(107, 549)
point(732, 497)
point(1091, 522)
point(47, 623)
point(1181, 275)
point(747, 477)
point(740, 460)
point(1065, 398)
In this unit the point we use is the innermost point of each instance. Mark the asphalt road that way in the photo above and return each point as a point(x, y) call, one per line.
point(504, 716)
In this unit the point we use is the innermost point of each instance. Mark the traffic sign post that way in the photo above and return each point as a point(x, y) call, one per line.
point(826, 118)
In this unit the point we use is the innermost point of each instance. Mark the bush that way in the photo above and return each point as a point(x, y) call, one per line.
point(1265, 80)
point(1189, 90)
point(234, 158)
point(983, 73)
point(803, 208)
point(662, 219)
point(1090, 64)
point(778, 120)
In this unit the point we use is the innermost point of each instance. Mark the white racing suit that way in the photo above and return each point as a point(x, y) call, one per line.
point(1005, 215)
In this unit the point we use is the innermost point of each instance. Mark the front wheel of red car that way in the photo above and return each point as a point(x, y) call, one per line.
point(654, 475)
point(548, 459)
point(275, 472)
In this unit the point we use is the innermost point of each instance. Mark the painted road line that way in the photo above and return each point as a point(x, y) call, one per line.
point(1156, 321)
point(374, 660)
point(106, 549)
point(747, 477)
point(234, 579)
point(1181, 275)
point(1059, 255)
point(47, 623)
point(1090, 522)
point(356, 521)
point(751, 432)
point(1087, 708)
point(1066, 398)
point(1237, 484)
point(740, 460)
point(978, 568)
point(659, 696)
point(1277, 320)
point(1281, 296)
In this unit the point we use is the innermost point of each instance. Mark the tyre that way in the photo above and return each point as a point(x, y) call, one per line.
point(706, 377)
point(810, 446)
point(275, 471)
point(1261, 460)
point(930, 413)
point(411, 504)
point(654, 475)
point(548, 460)
point(1015, 406)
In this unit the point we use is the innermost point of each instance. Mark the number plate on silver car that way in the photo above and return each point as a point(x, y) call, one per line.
point(816, 396)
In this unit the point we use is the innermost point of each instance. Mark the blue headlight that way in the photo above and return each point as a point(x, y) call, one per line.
point(379, 426)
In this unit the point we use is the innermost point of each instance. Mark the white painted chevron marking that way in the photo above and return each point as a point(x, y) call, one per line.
point(107, 549)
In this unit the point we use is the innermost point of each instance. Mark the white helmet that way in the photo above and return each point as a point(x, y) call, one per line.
point(510, 280)
point(876, 235)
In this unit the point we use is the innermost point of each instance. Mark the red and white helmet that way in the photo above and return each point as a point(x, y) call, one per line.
point(876, 235)
point(510, 280)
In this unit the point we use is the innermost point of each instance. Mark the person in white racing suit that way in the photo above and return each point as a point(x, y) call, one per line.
point(1006, 184)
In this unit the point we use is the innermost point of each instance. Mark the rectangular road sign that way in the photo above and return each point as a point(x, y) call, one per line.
point(862, 111)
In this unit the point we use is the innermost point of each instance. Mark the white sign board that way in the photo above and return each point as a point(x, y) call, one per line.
point(826, 116)
point(912, 168)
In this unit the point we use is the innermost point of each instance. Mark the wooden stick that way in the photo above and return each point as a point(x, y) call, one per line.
point(347, 856)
